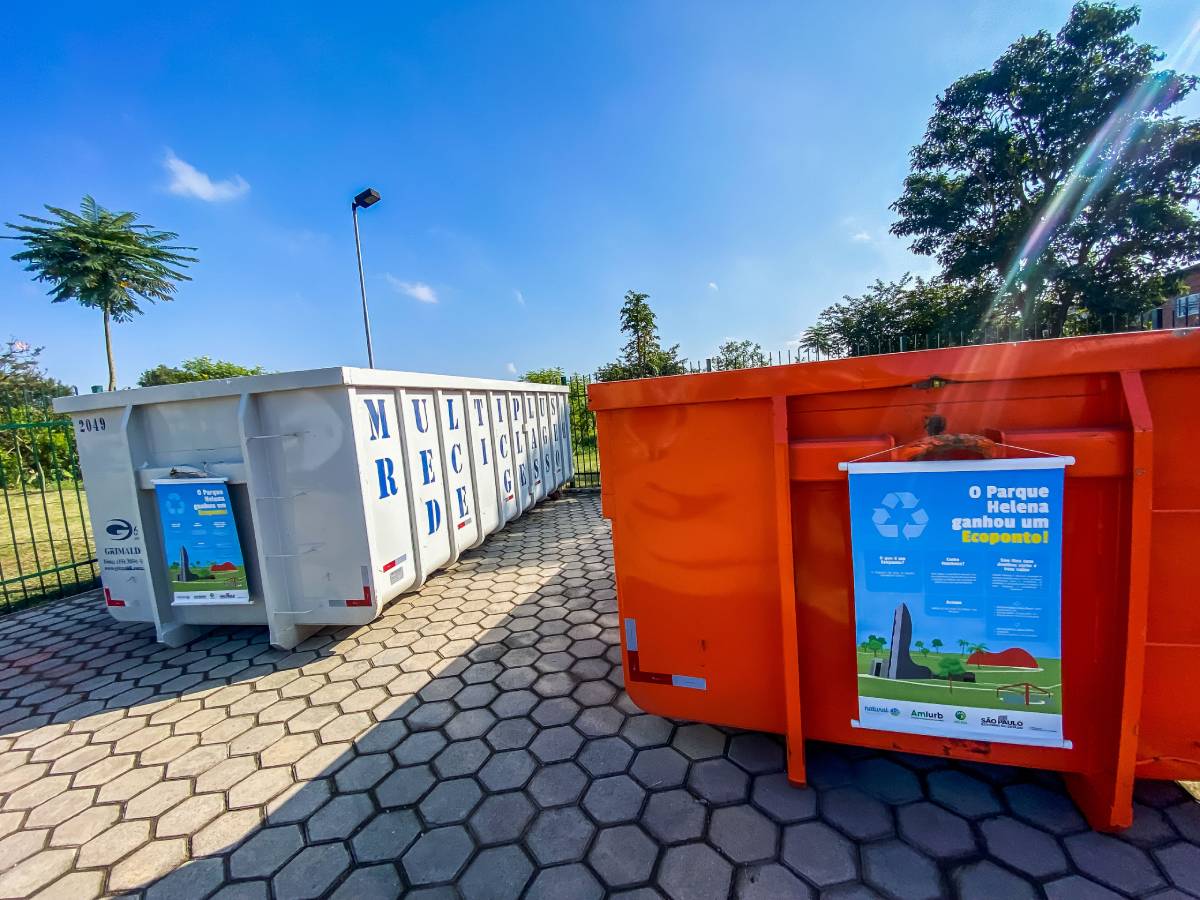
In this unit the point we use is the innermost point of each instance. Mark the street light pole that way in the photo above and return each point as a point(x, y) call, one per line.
point(369, 197)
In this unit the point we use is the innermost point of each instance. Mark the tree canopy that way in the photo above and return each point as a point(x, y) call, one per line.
point(911, 313)
point(201, 368)
point(738, 355)
point(1058, 178)
point(643, 355)
point(550, 375)
point(22, 378)
point(102, 259)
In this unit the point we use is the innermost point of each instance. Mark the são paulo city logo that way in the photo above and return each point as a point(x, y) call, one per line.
point(1001, 721)
point(899, 513)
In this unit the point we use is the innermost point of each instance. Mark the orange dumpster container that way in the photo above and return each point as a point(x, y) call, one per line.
point(732, 541)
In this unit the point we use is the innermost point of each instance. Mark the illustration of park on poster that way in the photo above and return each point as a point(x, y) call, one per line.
point(957, 597)
point(200, 541)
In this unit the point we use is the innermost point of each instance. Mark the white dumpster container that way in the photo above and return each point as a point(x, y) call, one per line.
point(304, 499)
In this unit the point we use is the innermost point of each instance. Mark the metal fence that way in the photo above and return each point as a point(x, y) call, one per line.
point(583, 435)
point(46, 547)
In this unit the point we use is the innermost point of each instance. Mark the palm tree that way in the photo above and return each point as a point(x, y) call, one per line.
point(936, 643)
point(978, 648)
point(962, 646)
point(103, 260)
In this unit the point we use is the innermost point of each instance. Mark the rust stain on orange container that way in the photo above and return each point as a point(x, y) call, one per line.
point(731, 536)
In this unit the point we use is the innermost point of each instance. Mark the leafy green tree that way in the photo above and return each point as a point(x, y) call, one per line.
point(920, 645)
point(103, 260)
point(875, 644)
point(22, 379)
point(643, 355)
point(911, 313)
point(937, 645)
point(738, 355)
point(544, 376)
point(200, 368)
point(962, 646)
point(977, 648)
point(1059, 178)
point(949, 666)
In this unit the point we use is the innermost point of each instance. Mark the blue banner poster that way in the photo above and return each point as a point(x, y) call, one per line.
point(957, 597)
point(200, 541)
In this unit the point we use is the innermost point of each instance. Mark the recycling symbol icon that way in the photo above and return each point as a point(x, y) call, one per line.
point(900, 513)
point(174, 504)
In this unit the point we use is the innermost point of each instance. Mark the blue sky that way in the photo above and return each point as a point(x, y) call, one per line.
point(535, 161)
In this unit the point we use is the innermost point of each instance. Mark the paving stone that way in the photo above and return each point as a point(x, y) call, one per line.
point(557, 784)
point(559, 835)
point(59, 809)
point(556, 744)
point(461, 758)
point(225, 831)
point(190, 816)
point(718, 781)
point(507, 770)
point(853, 812)
point(698, 741)
point(743, 834)
point(311, 871)
point(511, 734)
point(623, 855)
point(74, 886)
point(1049, 810)
point(404, 786)
point(694, 872)
point(757, 753)
point(770, 881)
point(963, 794)
point(450, 801)
point(572, 881)
point(501, 818)
point(614, 799)
point(782, 801)
point(35, 872)
point(497, 873)
point(109, 846)
point(265, 852)
point(1150, 828)
point(1186, 819)
point(898, 870)
point(646, 731)
point(339, 817)
point(819, 854)
point(606, 756)
point(438, 855)
point(1023, 847)
point(147, 864)
point(370, 883)
point(887, 781)
point(1113, 863)
point(935, 830)
point(197, 878)
point(659, 767)
point(79, 829)
point(985, 880)
point(1181, 864)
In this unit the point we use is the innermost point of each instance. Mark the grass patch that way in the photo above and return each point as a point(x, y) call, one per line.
point(980, 694)
point(46, 548)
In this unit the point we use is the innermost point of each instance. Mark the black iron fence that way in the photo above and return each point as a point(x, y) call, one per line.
point(46, 547)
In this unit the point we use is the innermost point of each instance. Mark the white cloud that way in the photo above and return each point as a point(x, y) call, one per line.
point(418, 290)
point(520, 298)
point(510, 368)
point(712, 286)
point(188, 181)
point(862, 237)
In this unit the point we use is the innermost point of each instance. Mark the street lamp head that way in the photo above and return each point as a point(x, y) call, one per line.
point(369, 197)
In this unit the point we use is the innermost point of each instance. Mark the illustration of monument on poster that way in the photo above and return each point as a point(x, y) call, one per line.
point(957, 598)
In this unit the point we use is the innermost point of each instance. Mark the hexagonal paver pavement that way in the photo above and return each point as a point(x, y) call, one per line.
point(476, 741)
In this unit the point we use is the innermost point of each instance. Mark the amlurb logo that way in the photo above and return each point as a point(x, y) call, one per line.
point(926, 714)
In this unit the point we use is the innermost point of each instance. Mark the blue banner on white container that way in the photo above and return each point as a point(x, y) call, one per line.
point(958, 597)
point(200, 541)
